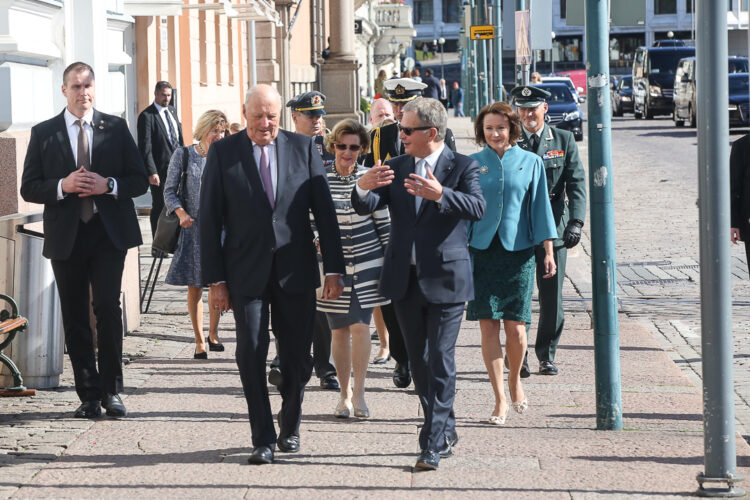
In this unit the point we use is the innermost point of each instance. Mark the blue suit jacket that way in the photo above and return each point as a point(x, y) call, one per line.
point(438, 232)
point(518, 207)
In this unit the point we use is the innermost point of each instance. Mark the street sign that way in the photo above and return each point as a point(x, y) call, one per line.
point(523, 37)
point(358, 26)
point(482, 32)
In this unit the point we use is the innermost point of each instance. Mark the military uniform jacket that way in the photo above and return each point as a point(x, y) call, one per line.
point(387, 145)
point(321, 147)
point(565, 175)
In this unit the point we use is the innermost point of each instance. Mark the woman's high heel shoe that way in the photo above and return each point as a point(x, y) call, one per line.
point(382, 361)
point(520, 407)
point(500, 419)
point(363, 412)
point(218, 346)
point(343, 409)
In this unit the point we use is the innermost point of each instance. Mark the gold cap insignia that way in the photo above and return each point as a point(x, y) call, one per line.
point(400, 90)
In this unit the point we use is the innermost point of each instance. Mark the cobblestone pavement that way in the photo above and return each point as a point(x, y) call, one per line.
point(187, 436)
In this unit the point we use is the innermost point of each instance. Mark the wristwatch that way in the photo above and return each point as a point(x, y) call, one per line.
point(110, 184)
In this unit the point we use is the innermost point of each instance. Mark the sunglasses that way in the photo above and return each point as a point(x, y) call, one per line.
point(408, 130)
point(351, 147)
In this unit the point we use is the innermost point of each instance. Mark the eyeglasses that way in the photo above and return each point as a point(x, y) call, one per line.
point(408, 130)
point(351, 147)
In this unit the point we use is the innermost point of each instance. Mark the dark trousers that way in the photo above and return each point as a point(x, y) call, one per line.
point(96, 262)
point(747, 254)
point(292, 316)
point(321, 348)
point(395, 335)
point(430, 332)
point(551, 319)
point(157, 203)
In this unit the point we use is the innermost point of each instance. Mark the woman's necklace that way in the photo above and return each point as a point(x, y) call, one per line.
point(344, 178)
point(200, 150)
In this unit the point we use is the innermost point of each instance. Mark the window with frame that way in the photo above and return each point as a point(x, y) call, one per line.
point(423, 12)
point(563, 8)
point(689, 6)
point(451, 11)
point(665, 7)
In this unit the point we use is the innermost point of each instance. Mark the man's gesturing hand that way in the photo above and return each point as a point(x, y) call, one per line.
point(333, 287)
point(77, 181)
point(96, 184)
point(377, 176)
point(426, 187)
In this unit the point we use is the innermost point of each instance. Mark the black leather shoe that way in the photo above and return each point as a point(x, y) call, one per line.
point(274, 376)
point(547, 368)
point(428, 460)
point(200, 355)
point(261, 455)
point(113, 404)
point(289, 444)
point(89, 409)
point(218, 347)
point(329, 382)
point(401, 376)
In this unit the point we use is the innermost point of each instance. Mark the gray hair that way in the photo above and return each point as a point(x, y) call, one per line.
point(431, 113)
point(261, 87)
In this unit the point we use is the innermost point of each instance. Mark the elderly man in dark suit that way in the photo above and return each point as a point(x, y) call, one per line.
point(84, 166)
point(259, 188)
point(432, 193)
point(159, 134)
point(739, 183)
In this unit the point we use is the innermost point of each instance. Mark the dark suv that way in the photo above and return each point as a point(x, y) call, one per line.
point(563, 109)
point(653, 79)
point(684, 87)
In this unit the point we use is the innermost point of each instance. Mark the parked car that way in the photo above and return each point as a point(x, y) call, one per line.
point(578, 76)
point(622, 96)
point(563, 109)
point(739, 100)
point(685, 89)
point(654, 71)
point(567, 81)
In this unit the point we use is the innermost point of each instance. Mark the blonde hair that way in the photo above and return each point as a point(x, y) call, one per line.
point(347, 127)
point(207, 121)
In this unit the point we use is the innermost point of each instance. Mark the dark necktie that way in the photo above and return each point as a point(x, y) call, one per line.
point(533, 142)
point(84, 160)
point(265, 175)
point(172, 132)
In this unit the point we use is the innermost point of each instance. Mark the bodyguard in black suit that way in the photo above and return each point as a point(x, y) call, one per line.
point(159, 134)
point(259, 186)
point(432, 194)
point(84, 167)
point(739, 183)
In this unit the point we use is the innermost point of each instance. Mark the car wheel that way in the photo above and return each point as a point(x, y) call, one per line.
point(578, 138)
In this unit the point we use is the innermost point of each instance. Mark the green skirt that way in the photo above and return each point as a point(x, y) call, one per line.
point(503, 283)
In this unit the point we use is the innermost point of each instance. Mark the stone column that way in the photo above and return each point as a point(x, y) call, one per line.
point(339, 80)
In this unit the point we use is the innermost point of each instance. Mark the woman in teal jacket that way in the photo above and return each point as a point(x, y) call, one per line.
point(518, 218)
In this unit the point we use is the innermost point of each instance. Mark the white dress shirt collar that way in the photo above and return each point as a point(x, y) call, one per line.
point(432, 158)
point(160, 109)
point(70, 118)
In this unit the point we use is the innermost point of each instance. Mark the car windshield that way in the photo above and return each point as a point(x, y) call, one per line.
point(558, 93)
point(738, 65)
point(664, 63)
point(739, 85)
point(626, 83)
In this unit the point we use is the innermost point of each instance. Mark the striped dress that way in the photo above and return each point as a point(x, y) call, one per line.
point(363, 238)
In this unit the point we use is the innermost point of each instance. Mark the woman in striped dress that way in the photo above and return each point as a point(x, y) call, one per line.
point(364, 239)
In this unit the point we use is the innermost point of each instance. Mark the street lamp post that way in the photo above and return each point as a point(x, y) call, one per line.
point(441, 41)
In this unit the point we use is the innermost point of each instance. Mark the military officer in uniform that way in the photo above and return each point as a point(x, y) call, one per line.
point(566, 182)
point(385, 141)
point(307, 112)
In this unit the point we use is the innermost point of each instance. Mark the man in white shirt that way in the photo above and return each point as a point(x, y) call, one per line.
point(159, 134)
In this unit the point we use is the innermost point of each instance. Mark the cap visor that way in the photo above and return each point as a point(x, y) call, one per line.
point(532, 104)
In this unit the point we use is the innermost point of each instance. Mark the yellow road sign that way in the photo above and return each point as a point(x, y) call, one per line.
point(482, 32)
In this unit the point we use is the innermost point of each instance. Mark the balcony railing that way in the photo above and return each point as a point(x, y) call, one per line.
point(393, 16)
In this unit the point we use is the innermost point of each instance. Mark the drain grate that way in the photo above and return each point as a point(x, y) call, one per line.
point(667, 281)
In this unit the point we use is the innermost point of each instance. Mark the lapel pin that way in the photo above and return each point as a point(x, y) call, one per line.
point(483, 169)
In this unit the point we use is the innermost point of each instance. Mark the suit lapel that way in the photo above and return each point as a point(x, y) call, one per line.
point(64, 140)
point(282, 166)
point(544, 141)
point(251, 168)
point(100, 127)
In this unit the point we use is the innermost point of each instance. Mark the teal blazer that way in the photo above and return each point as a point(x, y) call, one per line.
point(518, 207)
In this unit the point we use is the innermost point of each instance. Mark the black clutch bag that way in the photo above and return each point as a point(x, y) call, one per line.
point(168, 226)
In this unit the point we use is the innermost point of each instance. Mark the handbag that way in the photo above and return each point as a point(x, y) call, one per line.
point(168, 226)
